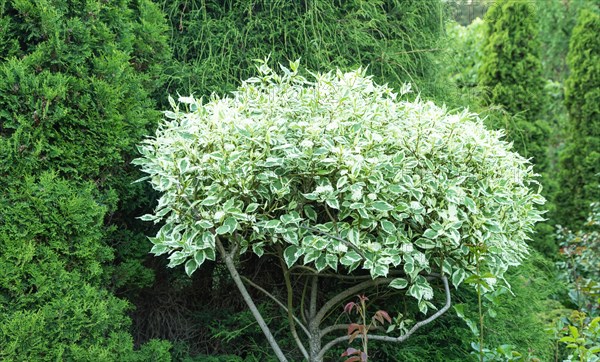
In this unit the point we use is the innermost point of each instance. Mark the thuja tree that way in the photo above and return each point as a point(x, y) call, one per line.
point(580, 160)
point(511, 72)
point(336, 175)
point(511, 77)
point(556, 23)
point(75, 79)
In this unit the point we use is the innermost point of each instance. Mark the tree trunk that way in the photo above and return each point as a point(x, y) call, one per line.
point(314, 341)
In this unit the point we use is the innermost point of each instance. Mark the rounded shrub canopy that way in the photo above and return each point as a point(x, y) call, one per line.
point(343, 175)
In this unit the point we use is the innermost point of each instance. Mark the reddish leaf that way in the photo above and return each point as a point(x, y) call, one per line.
point(353, 327)
point(363, 357)
point(348, 307)
point(377, 318)
point(349, 352)
point(385, 315)
point(353, 336)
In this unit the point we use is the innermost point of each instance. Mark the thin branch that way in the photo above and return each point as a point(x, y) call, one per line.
point(341, 297)
point(335, 327)
point(313, 271)
point(404, 337)
point(332, 219)
point(236, 245)
point(274, 299)
point(304, 267)
point(227, 257)
point(302, 309)
point(339, 327)
point(290, 307)
point(192, 208)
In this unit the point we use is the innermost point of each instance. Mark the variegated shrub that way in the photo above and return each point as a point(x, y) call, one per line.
point(343, 174)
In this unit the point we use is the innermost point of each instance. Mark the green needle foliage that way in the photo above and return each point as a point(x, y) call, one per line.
point(557, 21)
point(511, 78)
point(580, 160)
point(74, 84)
point(512, 74)
point(215, 42)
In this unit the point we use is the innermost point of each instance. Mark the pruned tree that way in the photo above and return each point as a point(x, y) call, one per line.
point(337, 176)
point(510, 75)
point(511, 72)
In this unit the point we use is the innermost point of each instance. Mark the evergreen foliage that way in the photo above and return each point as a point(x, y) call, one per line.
point(75, 85)
point(580, 160)
point(511, 77)
point(52, 303)
point(215, 42)
point(557, 21)
point(73, 97)
point(511, 72)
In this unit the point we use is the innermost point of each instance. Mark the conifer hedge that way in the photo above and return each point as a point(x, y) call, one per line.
point(580, 160)
point(75, 85)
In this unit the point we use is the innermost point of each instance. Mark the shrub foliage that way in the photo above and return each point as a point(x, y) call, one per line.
point(287, 160)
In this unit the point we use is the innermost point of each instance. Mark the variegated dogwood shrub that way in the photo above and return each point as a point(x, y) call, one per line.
point(343, 174)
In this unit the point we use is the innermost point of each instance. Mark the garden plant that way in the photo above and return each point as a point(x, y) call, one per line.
point(338, 176)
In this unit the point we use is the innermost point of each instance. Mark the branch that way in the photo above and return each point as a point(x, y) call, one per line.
point(404, 337)
point(312, 311)
point(302, 309)
point(290, 307)
point(273, 298)
point(255, 312)
point(341, 297)
point(192, 208)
